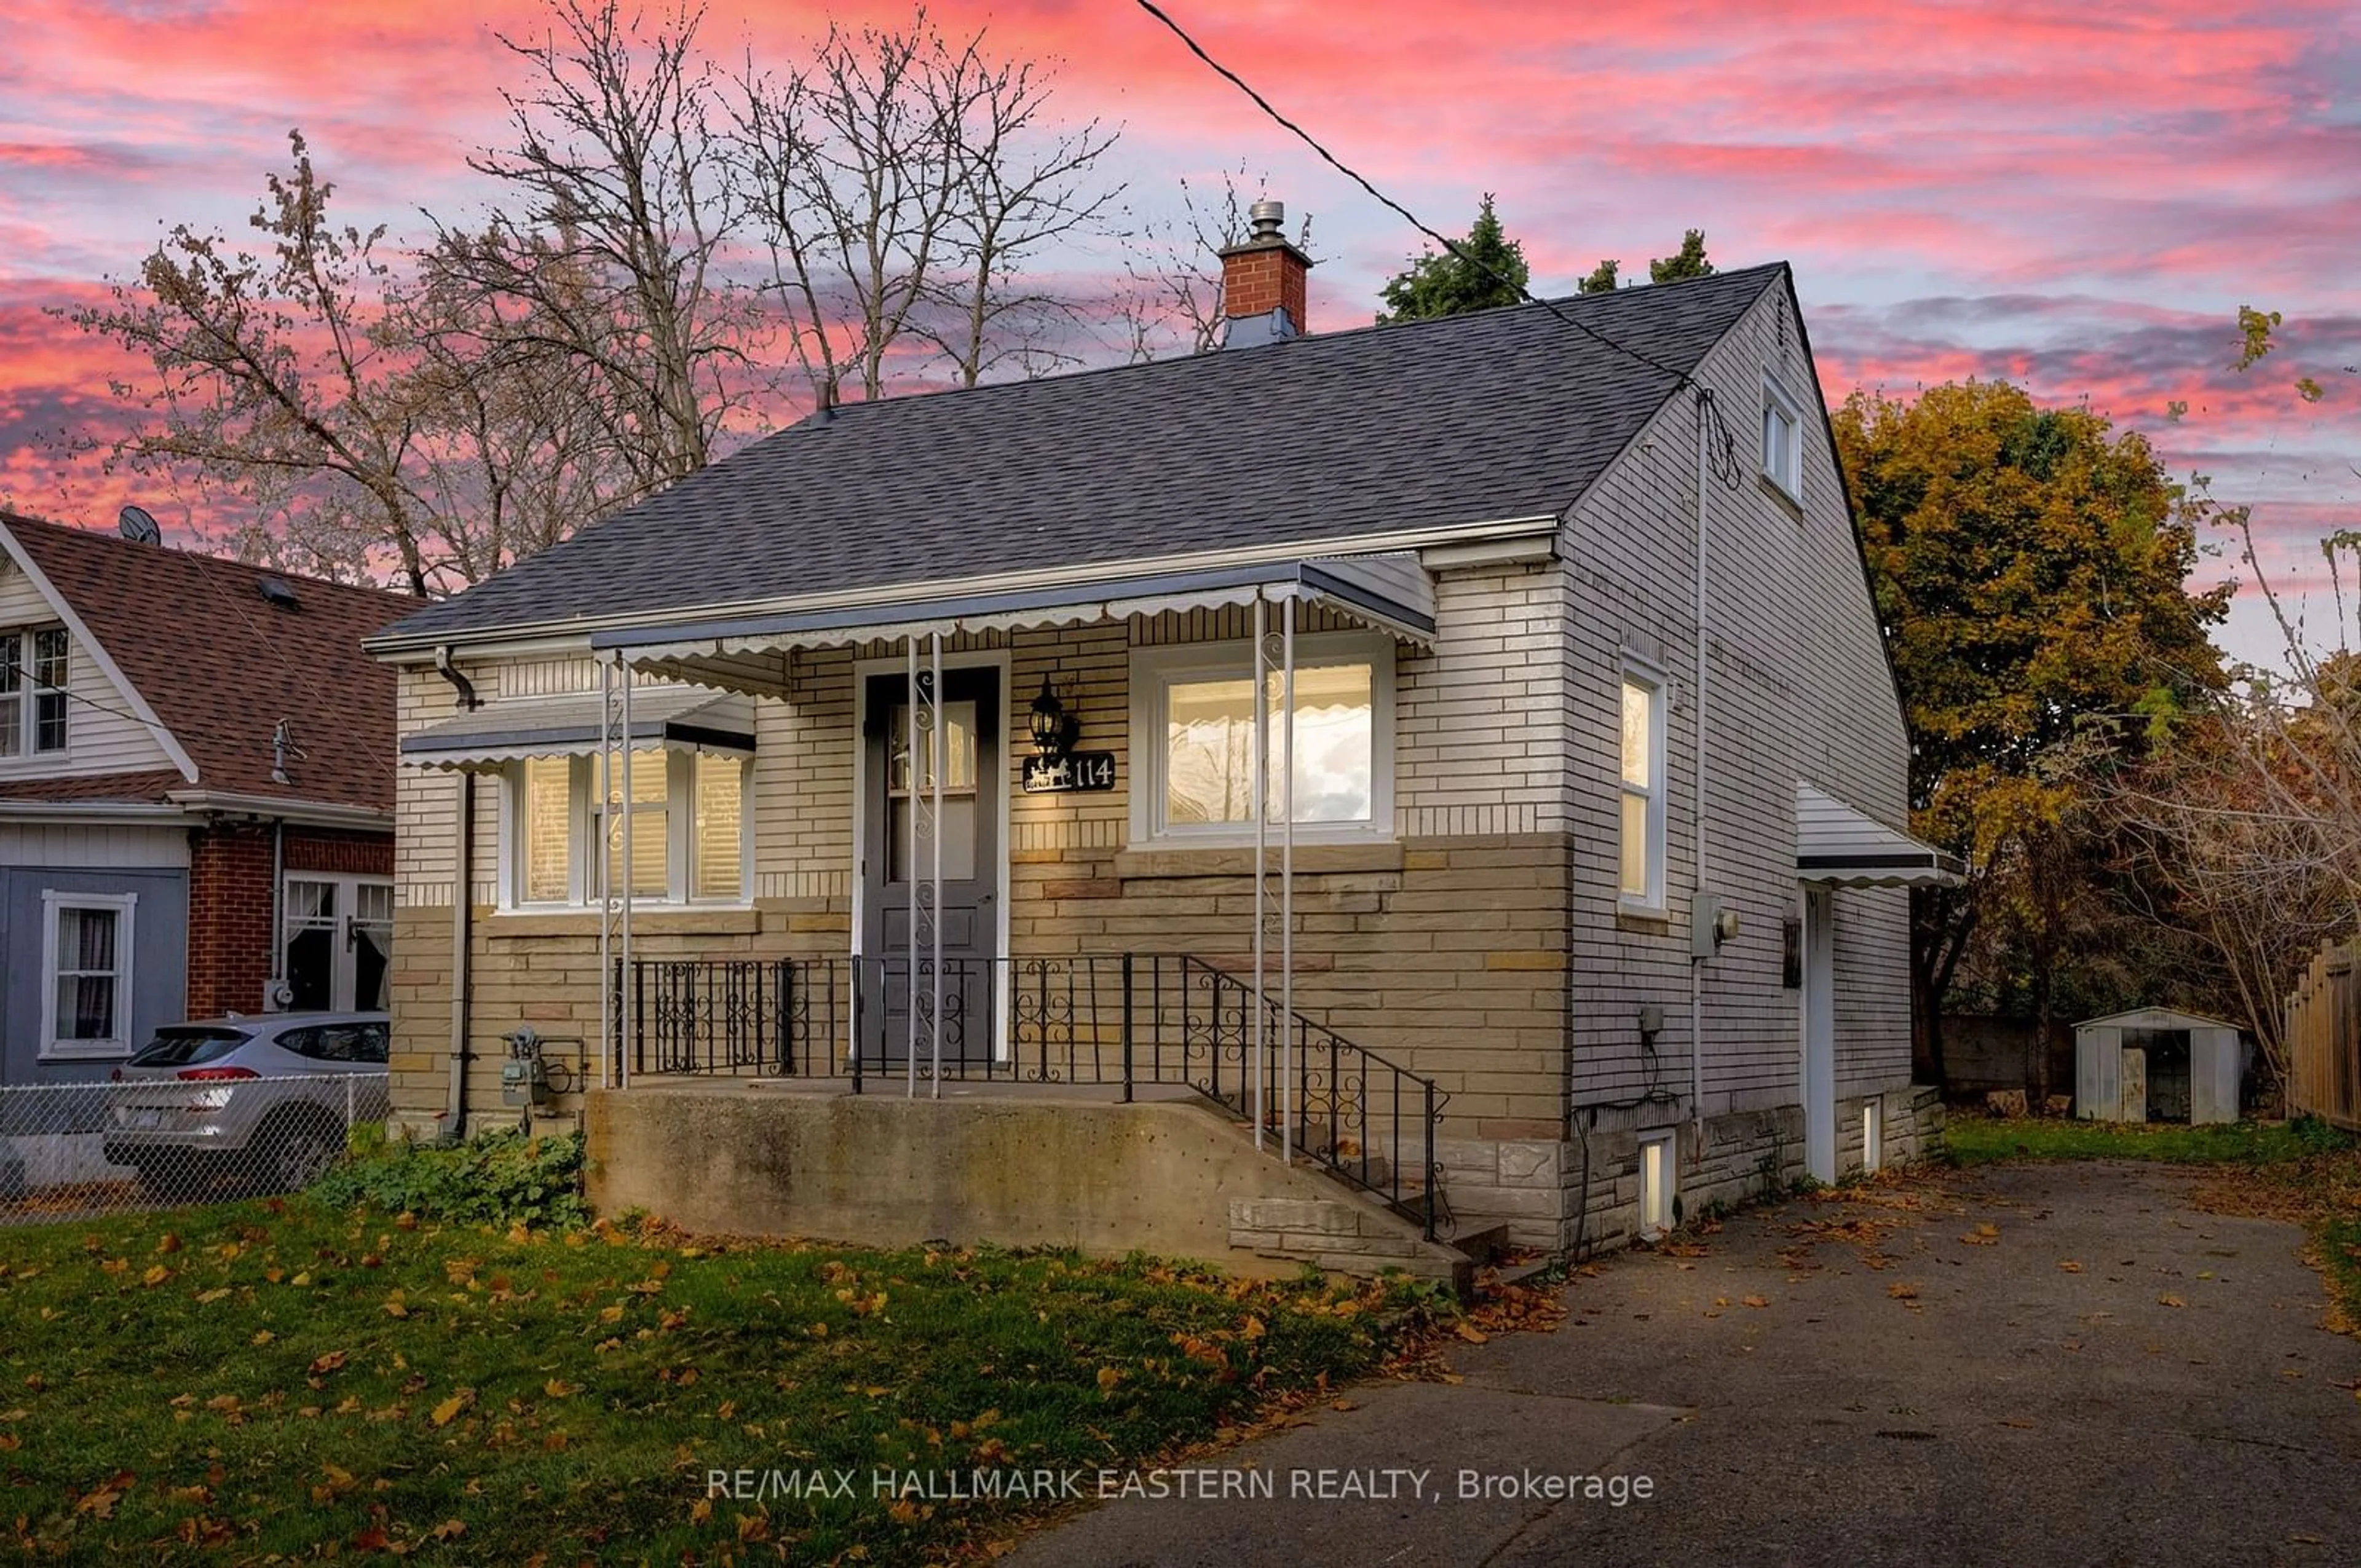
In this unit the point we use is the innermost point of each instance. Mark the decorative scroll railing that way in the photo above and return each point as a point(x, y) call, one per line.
point(1106, 1020)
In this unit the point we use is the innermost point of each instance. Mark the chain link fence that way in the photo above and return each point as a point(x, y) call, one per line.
point(72, 1151)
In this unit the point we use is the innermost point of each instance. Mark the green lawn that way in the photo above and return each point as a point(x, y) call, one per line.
point(1977, 1140)
point(273, 1377)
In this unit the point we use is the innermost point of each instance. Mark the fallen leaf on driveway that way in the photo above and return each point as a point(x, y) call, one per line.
point(1903, 1293)
point(1471, 1334)
point(2022, 1426)
point(2171, 1301)
point(1983, 1236)
point(2068, 1265)
point(1755, 1302)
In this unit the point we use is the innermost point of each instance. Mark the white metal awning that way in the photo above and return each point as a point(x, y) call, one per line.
point(1392, 593)
point(683, 718)
point(1845, 848)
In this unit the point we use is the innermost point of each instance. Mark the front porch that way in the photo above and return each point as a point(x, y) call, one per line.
point(1118, 1028)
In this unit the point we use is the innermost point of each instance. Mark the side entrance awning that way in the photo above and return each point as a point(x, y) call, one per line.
point(683, 718)
point(1845, 848)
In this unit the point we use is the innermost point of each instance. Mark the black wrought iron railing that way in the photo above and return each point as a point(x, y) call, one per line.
point(1119, 1021)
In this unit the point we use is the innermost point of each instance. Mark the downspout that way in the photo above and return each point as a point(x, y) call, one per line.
point(1698, 796)
point(278, 938)
point(454, 1105)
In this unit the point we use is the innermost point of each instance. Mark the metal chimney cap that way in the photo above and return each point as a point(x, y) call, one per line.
point(1269, 218)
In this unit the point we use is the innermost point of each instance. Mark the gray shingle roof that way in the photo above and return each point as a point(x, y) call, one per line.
point(1503, 413)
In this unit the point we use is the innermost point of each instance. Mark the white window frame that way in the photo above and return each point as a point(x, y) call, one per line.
point(1659, 1180)
point(28, 692)
point(125, 906)
point(680, 837)
point(1634, 672)
point(1783, 456)
point(1872, 1137)
point(1154, 672)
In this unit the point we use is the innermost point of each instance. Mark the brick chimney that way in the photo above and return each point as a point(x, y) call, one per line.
point(1262, 281)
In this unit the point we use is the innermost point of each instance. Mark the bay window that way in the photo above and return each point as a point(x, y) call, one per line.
point(688, 815)
point(1193, 742)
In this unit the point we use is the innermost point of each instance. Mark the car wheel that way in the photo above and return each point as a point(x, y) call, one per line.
point(297, 1151)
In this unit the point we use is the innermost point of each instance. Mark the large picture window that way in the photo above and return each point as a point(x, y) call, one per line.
point(34, 670)
point(86, 973)
point(688, 821)
point(1193, 739)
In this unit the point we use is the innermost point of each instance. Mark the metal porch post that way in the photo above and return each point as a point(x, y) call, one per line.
point(609, 977)
point(628, 1001)
point(1262, 798)
point(935, 770)
point(1286, 887)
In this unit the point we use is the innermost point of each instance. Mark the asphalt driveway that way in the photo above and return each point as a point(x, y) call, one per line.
point(2058, 1363)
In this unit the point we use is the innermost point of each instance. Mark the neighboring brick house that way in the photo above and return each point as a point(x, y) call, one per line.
point(1474, 547)
point(196, 795)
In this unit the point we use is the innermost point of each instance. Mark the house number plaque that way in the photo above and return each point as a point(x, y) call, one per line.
point(1070, 772)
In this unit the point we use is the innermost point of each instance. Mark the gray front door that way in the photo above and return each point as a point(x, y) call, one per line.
point(894, 865)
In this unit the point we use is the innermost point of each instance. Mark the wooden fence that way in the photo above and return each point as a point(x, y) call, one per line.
point(2323, 1037)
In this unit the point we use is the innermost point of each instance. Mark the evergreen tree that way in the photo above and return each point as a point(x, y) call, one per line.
point(1602, 277)
point(1487, 269)
point(1687, 262)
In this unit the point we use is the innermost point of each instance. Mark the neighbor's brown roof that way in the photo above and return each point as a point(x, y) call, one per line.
point(221, 665)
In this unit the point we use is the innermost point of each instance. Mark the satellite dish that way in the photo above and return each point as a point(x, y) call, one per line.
point(135, 524)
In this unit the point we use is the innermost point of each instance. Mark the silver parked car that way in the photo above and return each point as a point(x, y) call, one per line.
point(249, 1104)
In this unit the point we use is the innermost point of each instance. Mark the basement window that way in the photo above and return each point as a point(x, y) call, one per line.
point(1658, 1176)
point(1872, 1138)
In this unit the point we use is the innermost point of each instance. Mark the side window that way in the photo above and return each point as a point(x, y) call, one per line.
point(301, 1042)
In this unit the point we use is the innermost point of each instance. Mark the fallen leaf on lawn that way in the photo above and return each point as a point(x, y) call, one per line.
point(327, 1363)
point(394, 1307)
point(169, 1242)
point(1903, 1293)
point(444, 1414)
point(263, 1336)
point(157, 1274)
point(1754, 1300)
point(449, 1529)
point(2171, 1301)
point(1471, 1334)
point(1108, 1378)
point(559, 1388)
point(302, 1279)
point(207, 1297)
point(701, 1510)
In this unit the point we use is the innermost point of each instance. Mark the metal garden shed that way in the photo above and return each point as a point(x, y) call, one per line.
point(2154, 1064)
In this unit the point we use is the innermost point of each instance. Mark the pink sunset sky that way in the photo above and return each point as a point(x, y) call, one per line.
point(2077, 197)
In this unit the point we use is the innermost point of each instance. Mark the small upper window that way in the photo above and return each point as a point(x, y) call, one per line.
point(1783, 439)
point(33, 674)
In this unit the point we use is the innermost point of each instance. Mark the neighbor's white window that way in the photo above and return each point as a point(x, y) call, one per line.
point(1783, 439)
point(33, 673)
point(1193, 739)
point(86, 973)
point(1641, 878)
point(688, 817)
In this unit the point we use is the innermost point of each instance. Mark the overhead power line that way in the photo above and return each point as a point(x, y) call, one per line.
point(1720, 443)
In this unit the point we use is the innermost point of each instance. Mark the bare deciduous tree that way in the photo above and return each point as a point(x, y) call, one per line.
point(613, 262)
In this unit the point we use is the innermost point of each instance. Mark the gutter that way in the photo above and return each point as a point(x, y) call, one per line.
point(463, 916)
point(434, 642)
point(300, 813)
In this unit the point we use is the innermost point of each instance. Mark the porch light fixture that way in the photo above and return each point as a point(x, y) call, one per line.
point(1054, 730)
